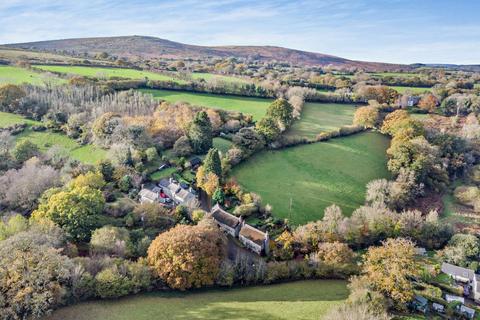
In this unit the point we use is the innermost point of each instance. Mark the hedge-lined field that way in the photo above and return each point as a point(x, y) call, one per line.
point(315, 176)
point(297, 300)
point(321, 117)
point(16, 75)
point(47, 139)
point(401, 89)
point(256, 107)
point(99, 72)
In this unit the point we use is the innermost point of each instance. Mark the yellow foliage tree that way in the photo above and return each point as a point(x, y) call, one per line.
point(366, 116)
point(389, 268)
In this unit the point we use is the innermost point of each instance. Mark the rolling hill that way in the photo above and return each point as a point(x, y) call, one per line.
point(151, 48)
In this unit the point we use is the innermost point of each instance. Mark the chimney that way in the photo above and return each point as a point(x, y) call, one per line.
point(190, 189)
point(170, 180)
point(142, 185)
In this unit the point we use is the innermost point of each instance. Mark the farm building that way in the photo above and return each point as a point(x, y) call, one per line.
point(252, 238)
point(179, 195)
point(226, 221)
point(464, 275)
point(452, 298)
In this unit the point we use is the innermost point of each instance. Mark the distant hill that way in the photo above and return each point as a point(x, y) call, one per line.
point(151, 47)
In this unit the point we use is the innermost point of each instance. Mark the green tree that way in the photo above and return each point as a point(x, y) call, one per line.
point(212, 162)
point(200, 133)
point(105, 167)
point(218, 196)
point(268, 128)
point(111, 240)
point(75, 210)
point(24, 150)
point(281, 111)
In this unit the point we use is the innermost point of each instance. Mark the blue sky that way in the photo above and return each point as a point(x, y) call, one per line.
point(400, 31)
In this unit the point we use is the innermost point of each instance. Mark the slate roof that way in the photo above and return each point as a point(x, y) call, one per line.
point(253, 234)
point(224, 217)
point(457, 271)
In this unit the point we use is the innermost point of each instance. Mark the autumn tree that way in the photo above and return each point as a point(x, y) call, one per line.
point(200, 133)
point(188, 256)
point(366, 116)
point(428, 103)
point(389, 269)
point(34, 276)
point(208, 181)
point(75, 210)
point(111, 240)
point(10, 96)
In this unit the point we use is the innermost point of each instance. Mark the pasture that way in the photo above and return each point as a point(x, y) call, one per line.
point(401, 89)
point(296, 300)
point(106, 73)
point(321, 117)
point(211, 76)
point(256, 107)
point(47, 139)
point(397, 74)
point(16, 75)
point(300, 182)
point(9, 119)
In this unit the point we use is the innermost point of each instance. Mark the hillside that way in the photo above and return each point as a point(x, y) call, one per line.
point(151, 48)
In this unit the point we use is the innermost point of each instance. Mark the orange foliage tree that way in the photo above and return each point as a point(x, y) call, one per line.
point(188, 256)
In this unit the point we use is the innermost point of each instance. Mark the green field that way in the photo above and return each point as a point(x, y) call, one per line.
point(16, 75)
point(47, 139)
point(9, 119)
point(211, 76)
point(412, 89)
point(99, 72)
point(297, 300)
point(315, 176)
point(253, 106)
point(321, 117)
point(397, 74)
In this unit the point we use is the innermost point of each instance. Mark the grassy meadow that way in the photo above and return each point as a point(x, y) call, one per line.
point(16, 75)
point(297, 300)
point(222, 144)
point(211, 76)
point(321, 117)
point(332, 172)
point(256, 107)
point(47, 139)
point(411, 89)
point(106, 73)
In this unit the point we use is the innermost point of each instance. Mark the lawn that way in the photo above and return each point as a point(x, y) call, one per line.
point(165, 173)
point(321, 117)
point(47, 139)
point(99, 72)
point(16, 75)
point(222, 144)
point(397, 74)
point(412, 89)
point(256, 107)
point(297, 300)
point(9, 119)
point(312, 177)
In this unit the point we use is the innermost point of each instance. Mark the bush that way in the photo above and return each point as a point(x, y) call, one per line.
point(111, 283)
point(111, 241)
point(245, 210)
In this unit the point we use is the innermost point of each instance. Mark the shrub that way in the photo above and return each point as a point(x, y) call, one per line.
point(111, 283)
point(111, 241)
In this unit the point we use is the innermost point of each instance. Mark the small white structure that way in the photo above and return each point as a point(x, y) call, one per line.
point(452, 298)
point(464, 275)
point(438, 307)
point(466, 311)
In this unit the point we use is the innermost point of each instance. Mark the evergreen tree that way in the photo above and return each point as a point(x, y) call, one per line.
point(268, 128)
point(212, 162)
point(200, 133)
